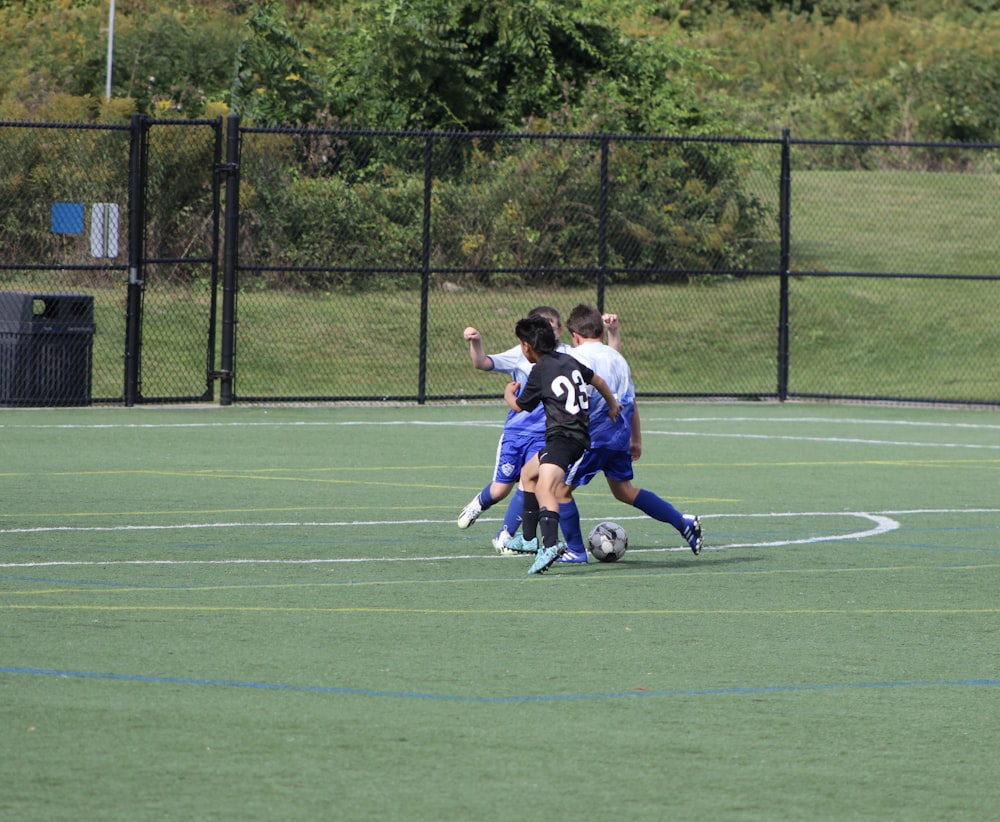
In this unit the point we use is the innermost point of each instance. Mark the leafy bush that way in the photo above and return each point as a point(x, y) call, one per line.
point(318, 230)
point(44, 165)
point(888, 76)
point(179, 55)
point(521, 210)
point(181, 62)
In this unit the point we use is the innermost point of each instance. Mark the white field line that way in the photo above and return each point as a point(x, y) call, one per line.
point(833, 421)
point(672, 433)
point(881, 524)
point(838, 440)
point(244, 424)
point(493, 423)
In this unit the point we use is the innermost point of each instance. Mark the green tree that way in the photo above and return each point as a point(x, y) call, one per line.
point(171, 60)
point(474, 65)
point(272, 83)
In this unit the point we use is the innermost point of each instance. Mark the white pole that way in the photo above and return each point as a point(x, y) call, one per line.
point(111, 47)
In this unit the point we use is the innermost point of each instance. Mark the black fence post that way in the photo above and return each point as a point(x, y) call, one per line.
point(136, 253)
point(230, 260)
point(602, 227)
point(213, 297)
point(425, 264)
point(785, 221)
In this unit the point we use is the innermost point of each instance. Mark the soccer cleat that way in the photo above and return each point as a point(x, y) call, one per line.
point(572, 557)
point(470, 513)
point(519, 545)
point(500, 542)
point(692, 533)
point(545, 559)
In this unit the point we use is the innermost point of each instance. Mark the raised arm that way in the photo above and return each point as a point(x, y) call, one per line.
point(613, 331)
point(476, 353)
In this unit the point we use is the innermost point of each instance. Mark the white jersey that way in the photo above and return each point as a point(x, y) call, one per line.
point(513, 363)
point(614, 369)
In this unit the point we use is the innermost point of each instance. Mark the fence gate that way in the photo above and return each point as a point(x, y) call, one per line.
point(109, 260)
point(173, 273)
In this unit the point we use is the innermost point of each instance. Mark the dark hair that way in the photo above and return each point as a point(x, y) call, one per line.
point(586, 321)
point(538, 333)
point(546, 311)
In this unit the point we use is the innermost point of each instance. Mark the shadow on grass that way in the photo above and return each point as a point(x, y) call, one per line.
point(672, 562)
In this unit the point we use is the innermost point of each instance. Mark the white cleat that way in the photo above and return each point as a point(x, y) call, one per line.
point(470, 513)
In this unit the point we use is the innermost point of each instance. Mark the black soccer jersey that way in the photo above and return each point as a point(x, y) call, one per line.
point(559, 382)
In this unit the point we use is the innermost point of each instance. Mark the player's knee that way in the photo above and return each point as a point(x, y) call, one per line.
point(625, 493)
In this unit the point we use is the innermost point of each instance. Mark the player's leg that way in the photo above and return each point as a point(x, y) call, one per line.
point(526, 541)
point(505, 474)
point(579, 473)
point(517, 453)
point(511, 519)
point(569, 521)
point(549, 479)
point(550, 475)
point(688, 525)
point(483, 501)
point(559, 453)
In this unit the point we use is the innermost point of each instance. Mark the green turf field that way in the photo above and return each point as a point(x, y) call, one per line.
point(269, 613)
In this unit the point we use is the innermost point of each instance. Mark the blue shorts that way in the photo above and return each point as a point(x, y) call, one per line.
point(616, 465)
point(513, 451)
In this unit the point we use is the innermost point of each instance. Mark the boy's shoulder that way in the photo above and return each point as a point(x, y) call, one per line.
point(565, 362)
point(562, 357)
point(595, 351)
point(552, 361)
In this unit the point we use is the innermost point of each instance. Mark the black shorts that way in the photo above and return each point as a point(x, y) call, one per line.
point(561, 451)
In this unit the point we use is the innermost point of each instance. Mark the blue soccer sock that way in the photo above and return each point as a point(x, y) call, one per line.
point(512, 519)
point(569, 521)
point(486, 501)
point(657, 508)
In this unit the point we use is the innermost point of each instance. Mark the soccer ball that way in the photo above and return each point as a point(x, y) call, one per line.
point(608, 542)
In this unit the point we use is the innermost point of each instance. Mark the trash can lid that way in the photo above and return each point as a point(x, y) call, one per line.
point(16, 306)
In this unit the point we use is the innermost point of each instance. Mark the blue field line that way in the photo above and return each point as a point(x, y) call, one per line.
point(272, 686)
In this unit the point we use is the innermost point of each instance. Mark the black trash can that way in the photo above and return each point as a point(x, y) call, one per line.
point(46, 349)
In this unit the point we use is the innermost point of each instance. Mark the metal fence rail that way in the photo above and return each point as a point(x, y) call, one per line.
point(341, 265)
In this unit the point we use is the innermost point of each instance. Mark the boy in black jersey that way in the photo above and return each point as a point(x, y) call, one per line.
point(559, 383)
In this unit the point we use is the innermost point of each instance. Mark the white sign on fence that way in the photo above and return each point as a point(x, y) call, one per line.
point(104, 230)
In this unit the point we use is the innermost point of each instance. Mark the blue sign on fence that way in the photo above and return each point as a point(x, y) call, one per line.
point(67, 218)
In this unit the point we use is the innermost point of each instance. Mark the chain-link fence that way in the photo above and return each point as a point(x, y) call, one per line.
point(63, 191)
point(128, 216)
point(743, 268)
